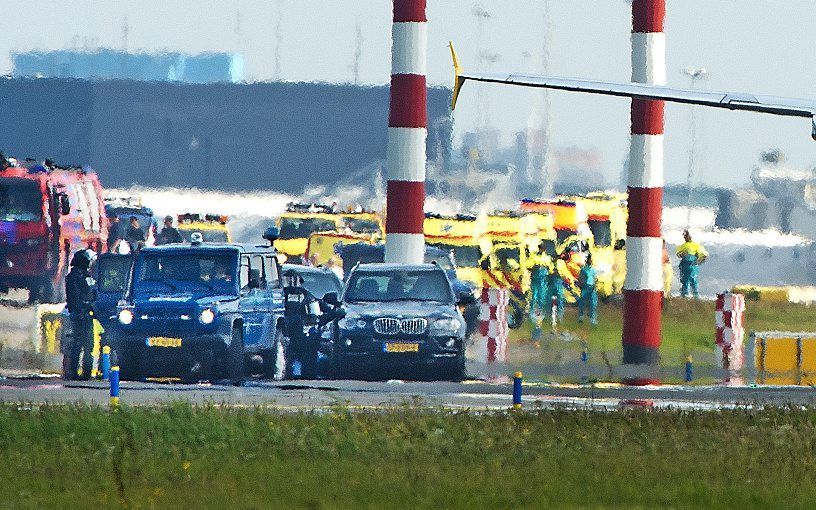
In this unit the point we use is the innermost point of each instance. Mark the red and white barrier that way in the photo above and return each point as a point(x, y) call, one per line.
point(407, 131)
point(491, 346)
point(729, 319)
point(643, 288)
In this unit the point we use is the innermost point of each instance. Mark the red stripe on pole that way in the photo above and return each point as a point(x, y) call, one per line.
point(409, 10)
point(405, 207)
point(648, 15)
point(642, 311)
point(408, 101)
point(645, 212)
point(647, 117)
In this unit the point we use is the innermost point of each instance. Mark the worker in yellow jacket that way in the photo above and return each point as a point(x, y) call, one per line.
point(691, 255)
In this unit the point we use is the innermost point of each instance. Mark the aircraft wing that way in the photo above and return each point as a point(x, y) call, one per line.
point(790, 107)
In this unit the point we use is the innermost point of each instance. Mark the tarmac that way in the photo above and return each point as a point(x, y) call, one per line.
point(472, 395)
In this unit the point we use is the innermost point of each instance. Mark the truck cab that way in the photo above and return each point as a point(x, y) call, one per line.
point(201, 311)
point(212, 227)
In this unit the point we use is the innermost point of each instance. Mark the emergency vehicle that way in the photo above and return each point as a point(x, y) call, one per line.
point(300, 221)
point(507, 246)
point(459, 234)
point(125, 207)
point(363, 222)
point(323, 246)
point(213, 227)
point(606, 217)
point(202, 311)
point(46, 215)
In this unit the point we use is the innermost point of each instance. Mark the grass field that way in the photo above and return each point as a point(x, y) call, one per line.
point(206, 457)
point(688, 329)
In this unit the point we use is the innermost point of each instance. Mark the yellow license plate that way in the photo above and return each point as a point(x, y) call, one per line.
point(163, 341)
point(402, 347)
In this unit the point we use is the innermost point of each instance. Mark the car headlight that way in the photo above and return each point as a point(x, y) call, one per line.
point(349, 323)
point(206, 316)
point(125, 316)
point(448, 325)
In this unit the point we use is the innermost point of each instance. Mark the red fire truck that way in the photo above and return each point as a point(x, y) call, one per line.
point(46, 215)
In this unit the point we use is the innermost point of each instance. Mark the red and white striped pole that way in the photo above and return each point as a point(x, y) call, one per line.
point(407, 130)
point(643, 296)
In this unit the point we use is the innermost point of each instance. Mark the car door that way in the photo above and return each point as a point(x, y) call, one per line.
point(272, 299)
point(251, 304)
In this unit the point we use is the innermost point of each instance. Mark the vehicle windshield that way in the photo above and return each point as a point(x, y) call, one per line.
point(562, 234)
point(301, 228)
point(503, 255)
point(466, 256)
point(440, 259)
point(112, 273)
point(320, 284)
point(209, 235)
point(203, 273)
point(398, 285)
point(601, 232)
point(363, 226)
point(20, 200)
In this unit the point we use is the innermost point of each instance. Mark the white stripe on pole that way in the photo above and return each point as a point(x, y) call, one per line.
point(649, 58)
point(405, 160)
point(410, 48)
point(405, 248)
point(644, 270)
point(646, 161)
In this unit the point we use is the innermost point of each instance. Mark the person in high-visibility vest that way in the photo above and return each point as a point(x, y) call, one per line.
point(588, 300)
point(691, 255)
point(559, 278)
point(539, 265)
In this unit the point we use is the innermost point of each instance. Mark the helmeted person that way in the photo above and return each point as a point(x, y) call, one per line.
point(588, 300)
point(691, 255)
point(559, 278)
point(168, 234)
point(80, 293)
point(539, 264)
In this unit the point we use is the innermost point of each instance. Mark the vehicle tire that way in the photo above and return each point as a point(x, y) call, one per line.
point(459, 369)
point(515, 317)
point(129, 361)
point(235, 358)
point(275, 359)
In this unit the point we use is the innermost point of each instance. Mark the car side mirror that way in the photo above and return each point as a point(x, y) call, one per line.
point(254, 278)
point(64, 204)
point(331, 298)
point(271, 234)
point(466, 298)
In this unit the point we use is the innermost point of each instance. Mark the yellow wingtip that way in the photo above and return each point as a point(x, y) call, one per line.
point(458, 79)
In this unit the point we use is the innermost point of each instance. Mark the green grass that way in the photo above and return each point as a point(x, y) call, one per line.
point(206, 457)
point(688, 329)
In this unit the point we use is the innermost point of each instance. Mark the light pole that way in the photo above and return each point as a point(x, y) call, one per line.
point(695, 75)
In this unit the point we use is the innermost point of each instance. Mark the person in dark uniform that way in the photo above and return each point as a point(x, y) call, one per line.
point(80, 290)
point(169, 234)
point(115, 234)
point(134, 236)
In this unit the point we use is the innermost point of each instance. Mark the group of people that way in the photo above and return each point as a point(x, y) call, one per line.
point(550, 279)
point(132, 238)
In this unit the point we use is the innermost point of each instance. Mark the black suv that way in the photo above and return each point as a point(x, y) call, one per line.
point(400, 320)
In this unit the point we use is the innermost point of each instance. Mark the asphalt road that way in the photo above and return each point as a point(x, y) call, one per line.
point(476, 395)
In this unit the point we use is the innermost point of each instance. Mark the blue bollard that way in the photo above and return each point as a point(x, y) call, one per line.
point(106, 362)
point(689, 369)
point(517, 390)
point(584, 368)
point(114, 387)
